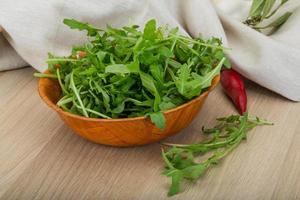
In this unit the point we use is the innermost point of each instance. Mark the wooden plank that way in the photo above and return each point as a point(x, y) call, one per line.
point(21, 125)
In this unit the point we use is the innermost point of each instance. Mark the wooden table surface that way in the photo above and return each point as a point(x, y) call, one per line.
point(40, 158)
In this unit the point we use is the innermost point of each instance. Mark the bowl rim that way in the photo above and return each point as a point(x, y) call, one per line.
point(45, 98)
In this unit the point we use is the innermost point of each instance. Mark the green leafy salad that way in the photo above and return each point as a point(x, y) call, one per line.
point(125, 72)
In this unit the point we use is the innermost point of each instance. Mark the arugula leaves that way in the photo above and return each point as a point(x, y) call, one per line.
point(158, 119)
point(125, 72)
point(226, 135)
point(73, 24)
point(149, 30)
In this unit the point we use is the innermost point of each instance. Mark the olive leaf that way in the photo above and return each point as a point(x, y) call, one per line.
point(264, 9)
point(267, 7)
point(279, 21)
point(256, 7)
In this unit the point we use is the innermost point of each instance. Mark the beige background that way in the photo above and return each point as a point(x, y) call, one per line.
point(40, 158)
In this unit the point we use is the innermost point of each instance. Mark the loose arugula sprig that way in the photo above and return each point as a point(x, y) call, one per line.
point(227, 134)
point(125, 72)
point(265, 9)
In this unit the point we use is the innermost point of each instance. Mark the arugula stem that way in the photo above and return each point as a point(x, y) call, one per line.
point(274, 11)
point(98, 113)
point(127, 57)
point(73, 87)
point(166, 159)
point(60, 82)
point(65, 108)
point(180, 158)
point(50, 60)
point(203, 146)
point(64, 101)
point(41, 75)
point(93, 111)
point(192, 50)
point(156, 46)
point(216, 157)
point(196, 42)
point(173, 44)
point(259, 122)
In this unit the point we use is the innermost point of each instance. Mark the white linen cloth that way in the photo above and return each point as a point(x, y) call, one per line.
point(34, 27)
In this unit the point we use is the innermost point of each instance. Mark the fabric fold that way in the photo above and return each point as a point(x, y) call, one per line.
point(33, 28)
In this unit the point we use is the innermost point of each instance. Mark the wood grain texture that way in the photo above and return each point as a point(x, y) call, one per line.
point(124, 132)
point(41, 158)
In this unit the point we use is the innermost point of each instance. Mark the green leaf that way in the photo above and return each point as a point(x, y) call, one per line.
point(279, 21)
point(166, 105)
point(267, 7)
point(174, 63)
point(74, 24)
point(105, 96)
point(101, 55)
point(205, 81)
point(157, 72)
point(158, 119)
point(176, 181)
point(77, 95)
point(134, 67)
point(220, 55)
point(149, 30)
point(194, 172)
point(256, 7)
point(225, 136)
point(227, 63)
point(264, 9)
point(119, 108)
point(174, 31)
point(166, 52)
point(117, 69)
point(88, 72)
point(184, 74)
point(192, 89)
point(148, 83)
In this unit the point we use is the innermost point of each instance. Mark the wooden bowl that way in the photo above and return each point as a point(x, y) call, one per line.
point(125, 131)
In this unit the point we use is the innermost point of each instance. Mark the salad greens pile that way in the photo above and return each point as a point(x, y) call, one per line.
point(226, 135)
point(125, 72)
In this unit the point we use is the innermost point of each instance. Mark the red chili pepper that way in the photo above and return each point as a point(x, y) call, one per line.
point(234, 87)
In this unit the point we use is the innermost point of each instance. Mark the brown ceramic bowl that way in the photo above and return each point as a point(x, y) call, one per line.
point(126, 131)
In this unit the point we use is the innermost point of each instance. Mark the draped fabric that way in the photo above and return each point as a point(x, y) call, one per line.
point(32, 28)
